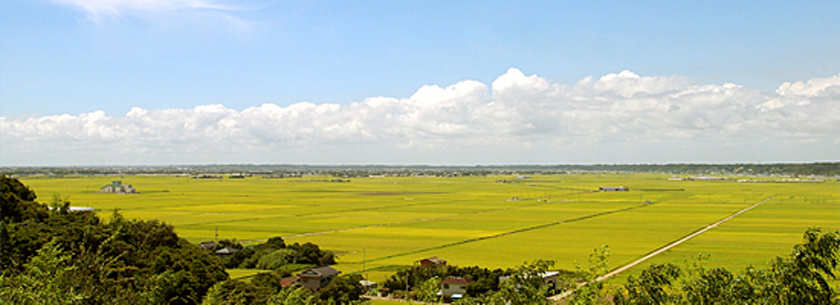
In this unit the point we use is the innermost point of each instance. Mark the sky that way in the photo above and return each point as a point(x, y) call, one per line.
point(163, 82)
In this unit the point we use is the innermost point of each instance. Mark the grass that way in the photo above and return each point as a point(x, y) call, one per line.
point(389, 221)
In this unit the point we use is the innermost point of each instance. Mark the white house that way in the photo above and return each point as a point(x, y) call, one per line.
point(454, 286)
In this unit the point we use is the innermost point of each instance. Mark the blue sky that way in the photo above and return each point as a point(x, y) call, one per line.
point(106, 59)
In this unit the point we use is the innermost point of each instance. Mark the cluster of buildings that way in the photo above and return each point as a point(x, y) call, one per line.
point(456, 287)
point(116, 187)
point(312, 278)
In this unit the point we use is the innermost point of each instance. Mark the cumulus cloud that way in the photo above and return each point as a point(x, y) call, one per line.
point(518, 115)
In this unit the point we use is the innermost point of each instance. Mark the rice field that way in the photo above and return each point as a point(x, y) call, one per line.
point(381, 223)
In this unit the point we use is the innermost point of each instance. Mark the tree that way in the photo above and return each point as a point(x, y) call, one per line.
point(804, 277)
point(231, 292)
point(276, 259)
point(45, 280)
point(344, 289)
point(428, 290)
point(525, 286)
point(310, 253)
point(592, 290)
point(293, 296)
point(651, 286)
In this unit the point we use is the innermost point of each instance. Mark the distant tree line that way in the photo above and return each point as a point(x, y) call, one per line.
point(797, 169)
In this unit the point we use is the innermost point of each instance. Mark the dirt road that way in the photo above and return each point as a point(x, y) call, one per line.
point(663, 249)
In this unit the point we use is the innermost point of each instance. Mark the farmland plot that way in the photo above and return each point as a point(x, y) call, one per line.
point(388, 221)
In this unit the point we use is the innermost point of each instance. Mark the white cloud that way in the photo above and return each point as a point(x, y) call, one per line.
point(520, 118)
point(811, 88)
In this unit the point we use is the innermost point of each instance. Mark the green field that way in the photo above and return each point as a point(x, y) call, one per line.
point(389, 222)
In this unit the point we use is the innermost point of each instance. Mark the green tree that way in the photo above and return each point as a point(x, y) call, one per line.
point(651, 287)
point(293, 296)
point(428, 290)
point(45, 280)
point(525, 286)
point(592, 291)
point(276, 259)
point(344, 289)
point(804, 277)
point(231, 292)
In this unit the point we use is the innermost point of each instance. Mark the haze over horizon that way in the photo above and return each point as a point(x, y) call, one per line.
point(149, 82)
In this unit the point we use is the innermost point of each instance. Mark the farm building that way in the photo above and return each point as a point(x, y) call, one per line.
point(317, 278)
point(226, 251)
point(207, 245)
point(707, 178)
point(289, 281)
point(454, 287)
point(550, 279)
point(613, 189)
point(368, 285)
point(432, 261)
point(77, 209)
point(116, 187)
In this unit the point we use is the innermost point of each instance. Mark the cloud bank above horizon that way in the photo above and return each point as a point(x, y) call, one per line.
point(617, 118)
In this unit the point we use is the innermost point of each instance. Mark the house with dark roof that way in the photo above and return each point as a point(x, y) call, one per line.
point(455, 287)
point(207, 245)
point(432, 261)
point(317, 278)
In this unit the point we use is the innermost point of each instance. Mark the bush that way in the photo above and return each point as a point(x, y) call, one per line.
point(276, 259)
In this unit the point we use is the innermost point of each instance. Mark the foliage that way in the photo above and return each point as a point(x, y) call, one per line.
point(592, 290)
point(525, 284)
point(428, 290)
point(231, 292)
point(650, 287)
point(74, 256)
point(309, 253)
point(804, 277)
point(45, 280)
point(344, 289)
point(274, 254)
point(277, 259)
point(485, 280)
point(293, 296)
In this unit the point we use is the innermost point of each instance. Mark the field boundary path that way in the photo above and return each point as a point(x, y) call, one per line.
point(663, 249)
point(415, 220)
point(526, 229)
